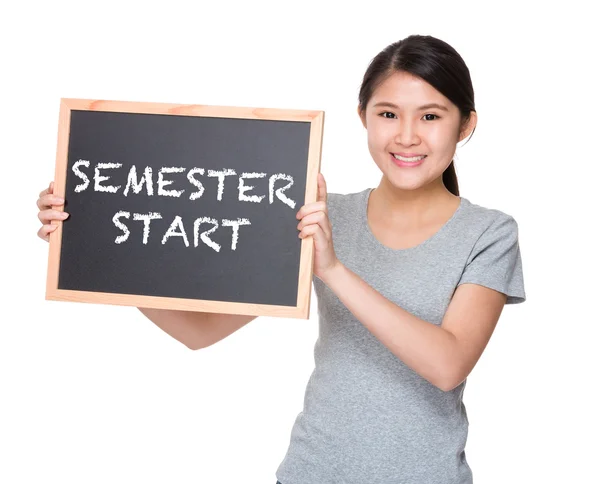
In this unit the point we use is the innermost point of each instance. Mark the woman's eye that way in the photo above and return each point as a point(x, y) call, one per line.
point(385, 113)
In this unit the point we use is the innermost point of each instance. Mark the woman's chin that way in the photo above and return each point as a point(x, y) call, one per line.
point(406, 181)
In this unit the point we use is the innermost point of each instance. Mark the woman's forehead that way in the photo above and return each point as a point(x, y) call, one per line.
point(404, 91)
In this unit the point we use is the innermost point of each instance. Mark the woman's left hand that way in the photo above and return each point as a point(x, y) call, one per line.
point(315, 221)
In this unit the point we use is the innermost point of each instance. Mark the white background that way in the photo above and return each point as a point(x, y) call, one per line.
point(98, 394)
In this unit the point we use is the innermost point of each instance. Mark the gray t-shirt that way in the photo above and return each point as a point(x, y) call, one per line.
point(367, 417)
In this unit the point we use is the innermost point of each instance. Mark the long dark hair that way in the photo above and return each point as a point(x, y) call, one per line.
point(438, 64)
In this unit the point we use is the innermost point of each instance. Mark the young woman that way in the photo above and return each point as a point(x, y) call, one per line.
point(411, 279)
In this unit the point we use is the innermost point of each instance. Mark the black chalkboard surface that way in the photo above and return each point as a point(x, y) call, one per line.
point(184, 206)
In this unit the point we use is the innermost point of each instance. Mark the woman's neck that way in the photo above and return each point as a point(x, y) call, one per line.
point(411, 207)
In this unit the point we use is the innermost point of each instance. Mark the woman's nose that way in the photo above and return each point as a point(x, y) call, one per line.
point(406, 135)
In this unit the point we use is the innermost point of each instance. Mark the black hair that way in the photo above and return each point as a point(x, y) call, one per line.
point(438, 64)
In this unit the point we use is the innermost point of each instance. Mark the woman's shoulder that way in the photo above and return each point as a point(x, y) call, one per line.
point(482, 218)
point(345, 207)
point(336, 199)
point(485, 212)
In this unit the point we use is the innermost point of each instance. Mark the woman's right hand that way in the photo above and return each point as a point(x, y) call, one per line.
point(47, 214)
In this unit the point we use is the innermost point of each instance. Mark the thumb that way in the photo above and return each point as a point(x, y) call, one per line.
point(322, 188)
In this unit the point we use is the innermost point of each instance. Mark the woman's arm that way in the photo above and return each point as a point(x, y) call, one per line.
point(196, 330)
point(444, 355)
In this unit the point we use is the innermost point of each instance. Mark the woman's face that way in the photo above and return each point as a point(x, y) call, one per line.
point(396, 122)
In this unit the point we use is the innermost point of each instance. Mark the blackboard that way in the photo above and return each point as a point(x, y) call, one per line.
point(184, 206)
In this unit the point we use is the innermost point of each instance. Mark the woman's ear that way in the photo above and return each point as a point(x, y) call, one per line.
point(362, 117)
point(469, 126)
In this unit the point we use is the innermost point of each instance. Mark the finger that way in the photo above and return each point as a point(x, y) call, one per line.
point(322, 188)
point(315, 230)
point(48, 201)
point(310, 208)
point(319, 218)
point(48, 190)
point(45, 231)
point(46, 216)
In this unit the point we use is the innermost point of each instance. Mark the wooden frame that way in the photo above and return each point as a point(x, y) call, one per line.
point(301, 310)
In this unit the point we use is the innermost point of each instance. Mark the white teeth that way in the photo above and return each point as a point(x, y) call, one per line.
point(409, 160)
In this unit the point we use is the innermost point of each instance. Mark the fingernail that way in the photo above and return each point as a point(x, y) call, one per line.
point(64, 215)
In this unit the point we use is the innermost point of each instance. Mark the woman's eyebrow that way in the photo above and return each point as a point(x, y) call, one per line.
point(425, 106)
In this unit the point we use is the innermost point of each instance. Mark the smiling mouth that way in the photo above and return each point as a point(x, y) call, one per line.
point(411, 159)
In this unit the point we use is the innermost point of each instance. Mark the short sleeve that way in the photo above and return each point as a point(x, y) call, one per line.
point(495, 260)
